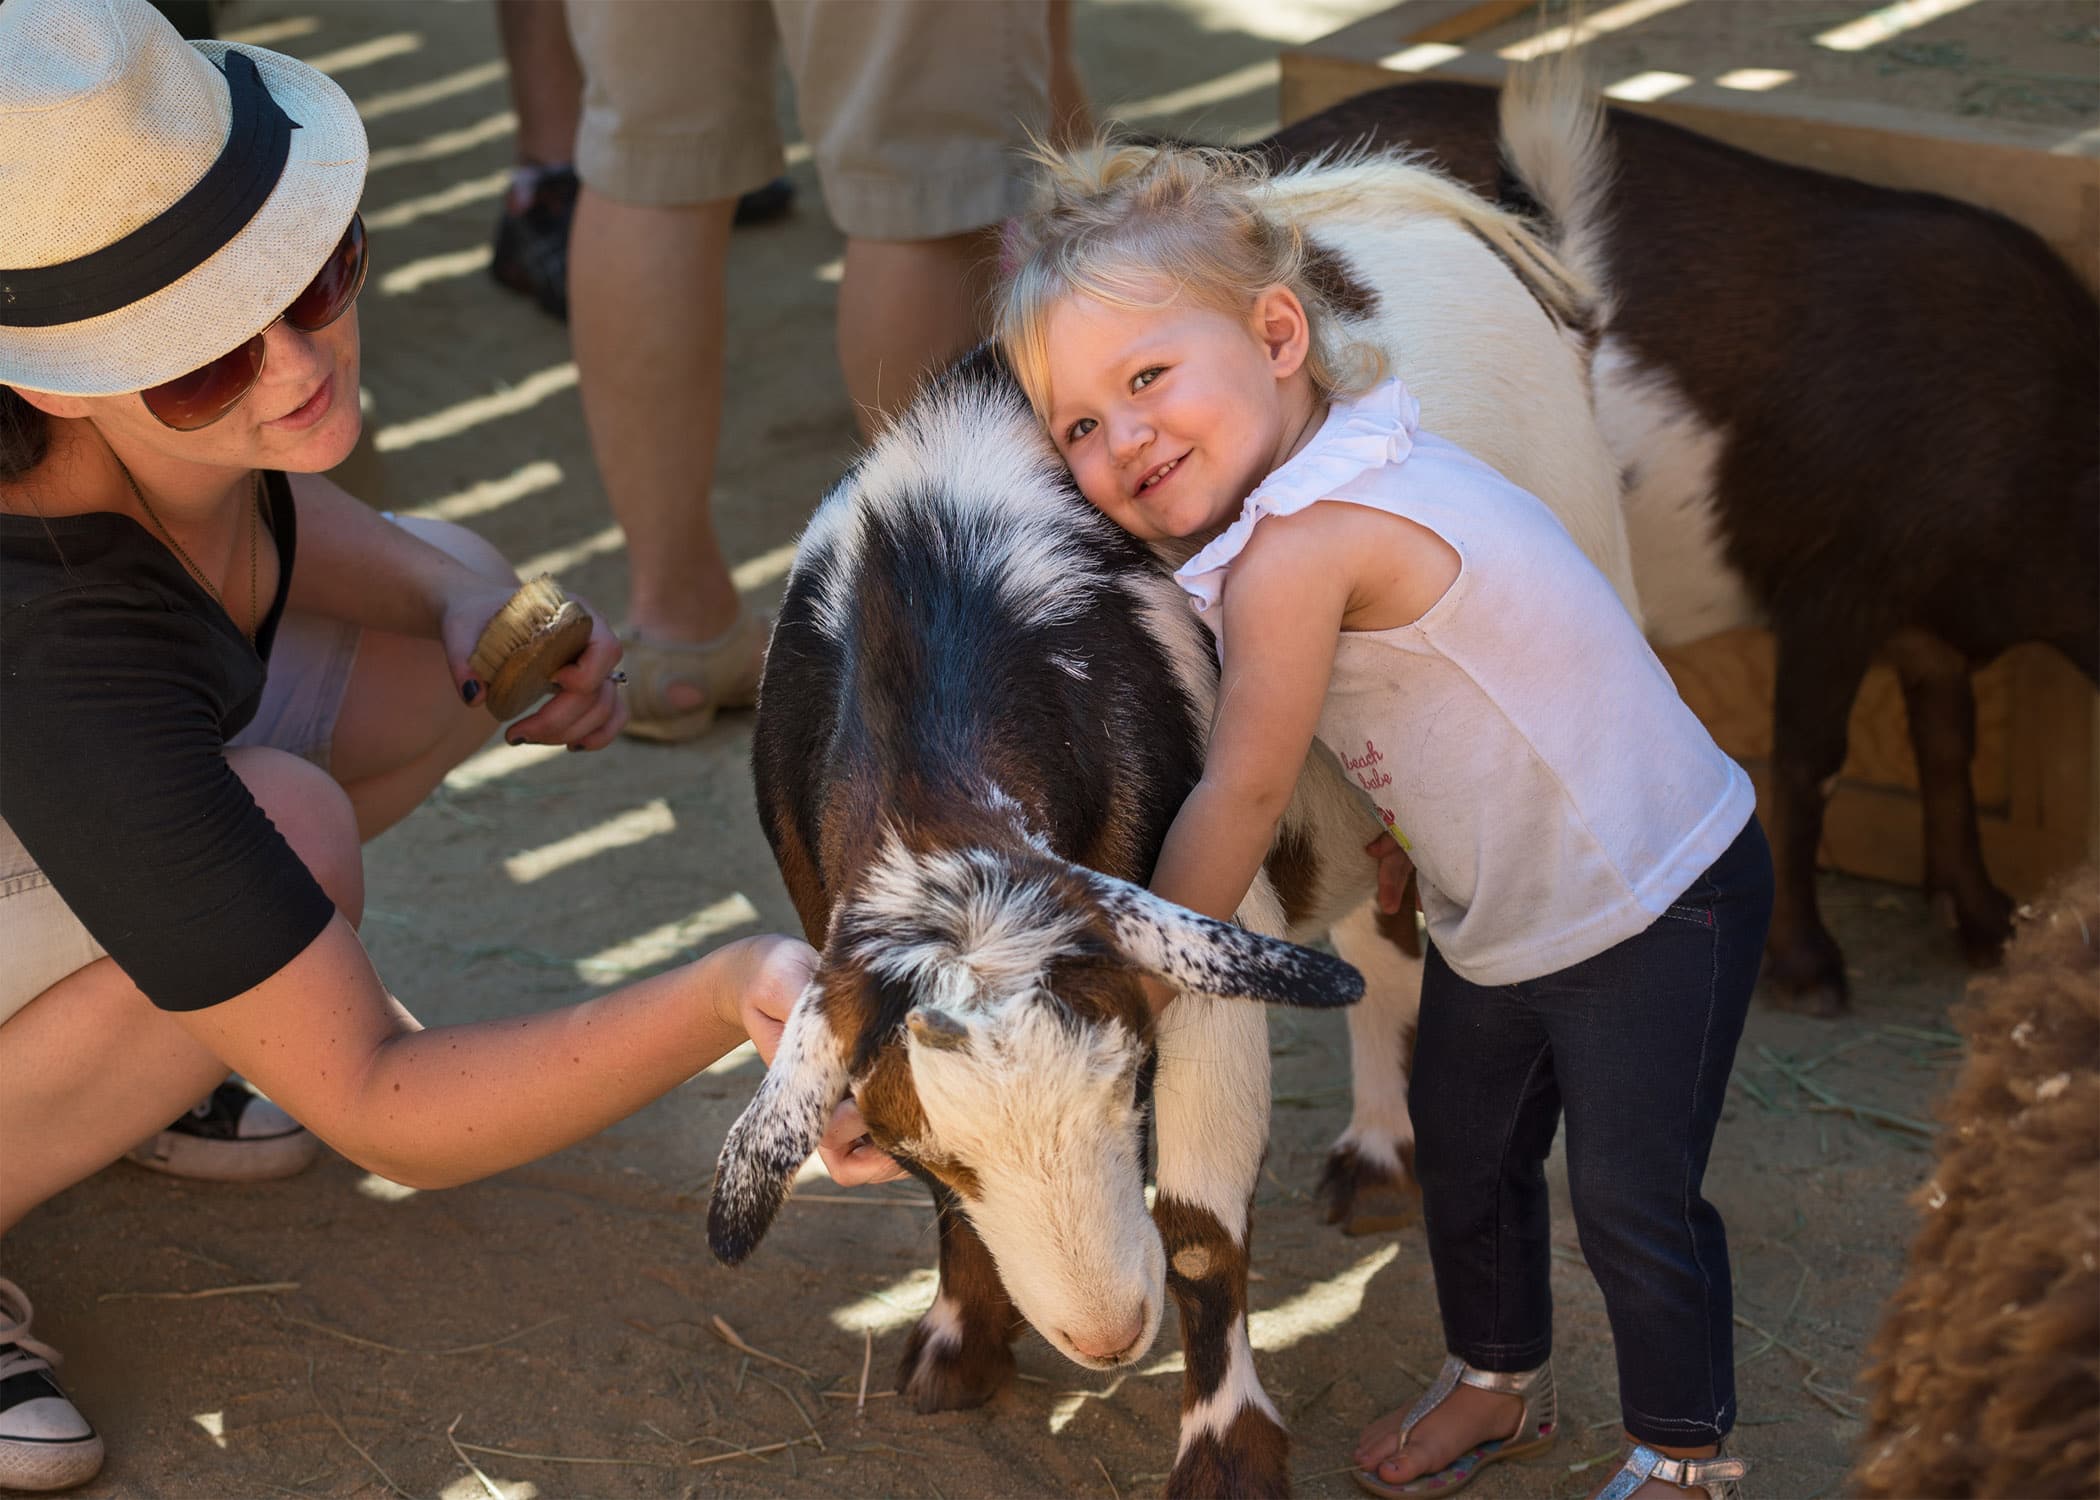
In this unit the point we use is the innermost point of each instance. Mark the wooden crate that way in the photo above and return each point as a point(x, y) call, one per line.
point(2037, 769)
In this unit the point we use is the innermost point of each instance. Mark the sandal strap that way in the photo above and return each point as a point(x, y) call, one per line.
point(1541, 1398)
point(723, 670)
point(1716, 1475)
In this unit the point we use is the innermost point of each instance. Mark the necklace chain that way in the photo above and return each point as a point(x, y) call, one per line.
point(254, 524)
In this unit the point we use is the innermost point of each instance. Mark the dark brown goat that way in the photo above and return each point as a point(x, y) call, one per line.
point(1861, 417)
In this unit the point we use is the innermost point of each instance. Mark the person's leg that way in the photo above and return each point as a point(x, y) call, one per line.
point(677, 122)
point(1486, 1103)
point(90, 1067)
point(906, 309)
point(1644, 1037)
point(915, 112)
point(546, 81)
point(1071, 118)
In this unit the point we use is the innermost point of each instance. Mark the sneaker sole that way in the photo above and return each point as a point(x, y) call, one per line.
point(29, 1465)
point(250, 1160)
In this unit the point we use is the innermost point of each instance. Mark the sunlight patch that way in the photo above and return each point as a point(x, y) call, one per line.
point(653, 819)
point(895, 1305)
point(670, 941)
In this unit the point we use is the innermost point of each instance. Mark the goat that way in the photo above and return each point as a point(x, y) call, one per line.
point(1860, 417)
point(1986, 1372)
point(982, 706)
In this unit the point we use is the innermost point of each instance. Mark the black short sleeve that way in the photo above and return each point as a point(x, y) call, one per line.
point(117, 695)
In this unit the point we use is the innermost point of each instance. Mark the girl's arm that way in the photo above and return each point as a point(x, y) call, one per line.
point(1289, 592)
point(437, 1107)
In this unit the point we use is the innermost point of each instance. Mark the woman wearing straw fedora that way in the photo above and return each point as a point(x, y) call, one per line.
point(219, 673)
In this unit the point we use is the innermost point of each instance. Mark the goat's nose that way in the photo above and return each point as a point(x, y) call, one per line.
point(1111, 1338)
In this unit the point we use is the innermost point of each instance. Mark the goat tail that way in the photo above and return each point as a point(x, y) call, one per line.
point(1554, 142)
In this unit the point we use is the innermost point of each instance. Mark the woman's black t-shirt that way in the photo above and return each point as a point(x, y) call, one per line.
point(121, 681)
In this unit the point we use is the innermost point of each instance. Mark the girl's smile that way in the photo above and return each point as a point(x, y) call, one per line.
point(1169, 416)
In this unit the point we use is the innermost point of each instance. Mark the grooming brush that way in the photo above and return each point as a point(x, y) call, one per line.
point(540, 631)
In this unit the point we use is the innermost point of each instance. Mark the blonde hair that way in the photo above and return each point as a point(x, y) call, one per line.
point(1148, 227)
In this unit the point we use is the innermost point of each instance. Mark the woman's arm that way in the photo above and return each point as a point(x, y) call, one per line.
point(437, 1107)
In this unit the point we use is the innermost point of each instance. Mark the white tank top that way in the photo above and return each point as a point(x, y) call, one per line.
point(1520, 738)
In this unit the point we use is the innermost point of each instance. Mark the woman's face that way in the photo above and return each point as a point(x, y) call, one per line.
point(301, 415)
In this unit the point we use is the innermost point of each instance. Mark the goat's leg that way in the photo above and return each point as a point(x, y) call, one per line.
point(1821, 663)
point(1211, 1109)
point(1942, 709)
point(959, 1353)
point(1368, 1184)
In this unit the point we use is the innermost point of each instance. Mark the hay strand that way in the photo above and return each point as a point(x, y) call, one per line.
point(736, 1341)
point(246, 1289)
point(344, 1433)
point(364, 1343)
point(867, 1358)
point(1118, 1494)
point(814, 1435)
point(487, 1483)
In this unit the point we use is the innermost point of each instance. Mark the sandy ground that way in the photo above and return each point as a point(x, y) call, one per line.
point(559, 1317)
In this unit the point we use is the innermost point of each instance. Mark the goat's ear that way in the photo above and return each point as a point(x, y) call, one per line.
point(777, 1130)
point(1217, 958)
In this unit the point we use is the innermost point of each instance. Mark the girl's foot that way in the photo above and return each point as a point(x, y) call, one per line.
point(45, 1443)
point(1465, 1419)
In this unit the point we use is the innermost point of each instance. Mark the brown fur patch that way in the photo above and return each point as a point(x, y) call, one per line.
point(1330, 278)
point(955, 1377)
point(1210, 1301)
point(1252, 1459)
point(1293, 866)
point(1986, 1373)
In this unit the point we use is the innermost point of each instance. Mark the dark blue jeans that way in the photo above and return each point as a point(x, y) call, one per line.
point(1635, 1047)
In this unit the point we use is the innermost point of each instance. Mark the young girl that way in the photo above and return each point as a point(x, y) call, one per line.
point(1595, 882)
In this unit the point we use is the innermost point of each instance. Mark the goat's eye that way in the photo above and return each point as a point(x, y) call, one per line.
point(1079, 429)
point(1146, 376)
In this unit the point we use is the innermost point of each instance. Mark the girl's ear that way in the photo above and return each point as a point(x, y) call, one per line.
point(1280, 322)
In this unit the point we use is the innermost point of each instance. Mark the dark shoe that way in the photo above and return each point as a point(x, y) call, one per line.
point(45, 1443)
point(764, 205)
point(532, 242)
point(235, 1135)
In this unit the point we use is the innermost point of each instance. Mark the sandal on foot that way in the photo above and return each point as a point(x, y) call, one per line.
point(724, 671)
point(1534, 1433)
point(1716, 1475)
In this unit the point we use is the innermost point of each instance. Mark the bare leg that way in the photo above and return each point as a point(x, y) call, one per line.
point(90, 1067)
point(646, 316)
point(907, 308)
point(1071, 120)
point(546, 82)
point(402, 726)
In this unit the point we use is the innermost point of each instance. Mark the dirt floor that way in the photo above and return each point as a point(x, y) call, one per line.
point(556, 1326)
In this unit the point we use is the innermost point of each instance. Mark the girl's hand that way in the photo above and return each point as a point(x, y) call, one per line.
point(781, 968)
point(585, 712)
point(1393, 869)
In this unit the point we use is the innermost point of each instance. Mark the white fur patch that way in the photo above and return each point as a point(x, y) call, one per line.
point(1212, 1417)
point(943, 1324)
point(960, 925)
point(1210, 1102)
point(1379, 1123)
point(1672, 457)
point(778, 1129)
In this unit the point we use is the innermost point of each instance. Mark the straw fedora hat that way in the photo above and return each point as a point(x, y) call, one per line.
point(161, 201)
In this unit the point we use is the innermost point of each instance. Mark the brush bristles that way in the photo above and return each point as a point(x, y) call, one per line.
point(530, 610)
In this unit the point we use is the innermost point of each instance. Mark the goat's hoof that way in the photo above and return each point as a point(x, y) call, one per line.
point(1365, 1196)
point(1980, 924)
point(941, 1373)
point(1251, 1458)
point(1807, 977)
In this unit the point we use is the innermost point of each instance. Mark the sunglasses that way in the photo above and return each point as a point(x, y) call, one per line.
point(201, 397)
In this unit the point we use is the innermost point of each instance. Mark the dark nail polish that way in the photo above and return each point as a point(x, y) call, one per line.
point(469, 690)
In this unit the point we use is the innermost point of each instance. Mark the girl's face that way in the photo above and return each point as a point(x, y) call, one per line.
point(1169, 418)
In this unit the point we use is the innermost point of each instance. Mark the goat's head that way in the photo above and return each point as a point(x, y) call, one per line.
point(984, 1008)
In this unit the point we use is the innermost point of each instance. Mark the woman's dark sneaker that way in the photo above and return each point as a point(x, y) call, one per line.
point(532, 237)
point(762, 205)
point(235, 1135)
point(45, 1443)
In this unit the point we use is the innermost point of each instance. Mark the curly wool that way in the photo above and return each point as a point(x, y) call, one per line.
point(1986, 1373)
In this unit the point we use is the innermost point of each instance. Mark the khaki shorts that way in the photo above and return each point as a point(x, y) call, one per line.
point(310, 664)
point(913, 109)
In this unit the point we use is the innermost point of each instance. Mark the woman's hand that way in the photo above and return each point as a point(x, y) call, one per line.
point(780, 970)
point(585, 712)
point(1393, 869)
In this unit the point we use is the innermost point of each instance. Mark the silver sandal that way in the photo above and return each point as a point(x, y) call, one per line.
point(1534, 1432)
point(1718, 1475)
